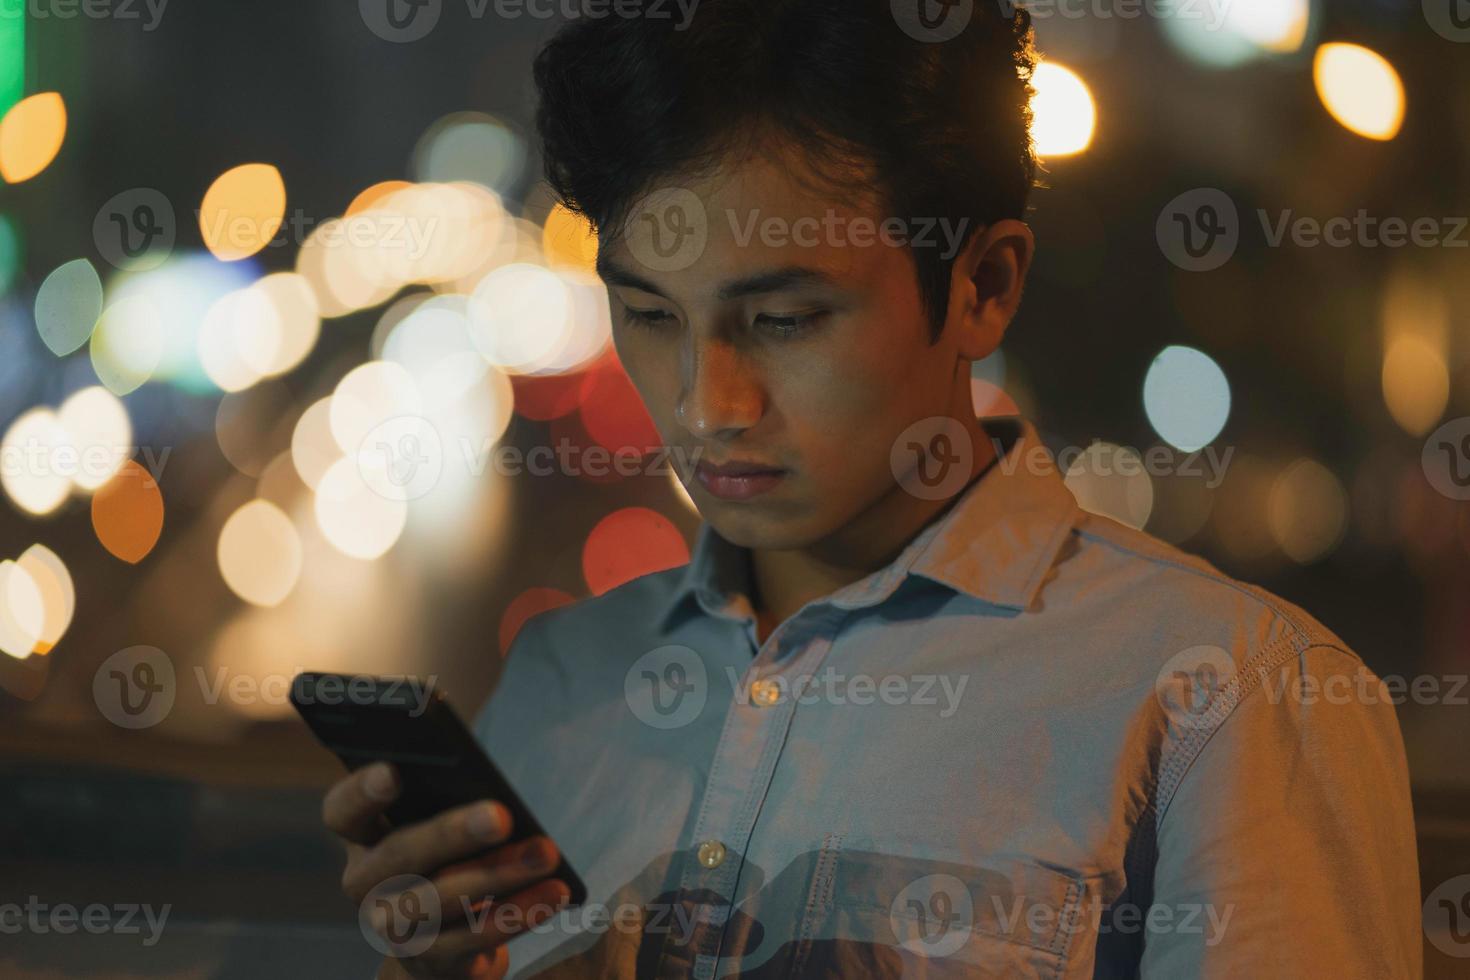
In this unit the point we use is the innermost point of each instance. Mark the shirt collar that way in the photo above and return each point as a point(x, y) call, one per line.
point(996, 543)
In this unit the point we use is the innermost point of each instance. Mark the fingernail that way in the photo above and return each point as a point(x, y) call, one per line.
point(380, 784)
point(484, 822)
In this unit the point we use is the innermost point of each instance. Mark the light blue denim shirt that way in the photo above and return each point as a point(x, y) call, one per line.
point(1038, 744)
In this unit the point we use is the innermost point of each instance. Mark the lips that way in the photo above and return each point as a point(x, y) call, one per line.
point(737, 468)
point(738, 480)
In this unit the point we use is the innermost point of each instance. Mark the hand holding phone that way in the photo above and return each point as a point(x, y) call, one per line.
point(434, 812)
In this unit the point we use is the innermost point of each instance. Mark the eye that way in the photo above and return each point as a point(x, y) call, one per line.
point(646, 318)
point(789, 325)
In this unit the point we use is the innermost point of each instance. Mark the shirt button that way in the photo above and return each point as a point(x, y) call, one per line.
point(765, 693)
point(711, 853)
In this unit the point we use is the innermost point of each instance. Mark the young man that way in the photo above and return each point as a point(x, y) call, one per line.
point(908, 711)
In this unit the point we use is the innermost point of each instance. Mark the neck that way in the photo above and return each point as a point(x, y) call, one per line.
point(785, 581)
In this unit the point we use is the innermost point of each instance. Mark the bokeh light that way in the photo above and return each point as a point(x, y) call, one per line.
point(1064, 115)
point(259, 553)
point(58, 594)
point(1111, 481)
point(471, 146)
point(242, 211)
point(30, 473)
point(98, 434)
point(68, 303)
point(356, 521)
point(127, 513)
point(1307, 510)
point(31, 134)
point(1360, 89)
point(628, 543)
point(1187, 397)
point(22, 611)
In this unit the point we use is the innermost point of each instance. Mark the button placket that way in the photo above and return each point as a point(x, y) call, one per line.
point(741, 774)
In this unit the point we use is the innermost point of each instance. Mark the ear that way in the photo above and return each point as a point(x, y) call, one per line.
point(986, 285)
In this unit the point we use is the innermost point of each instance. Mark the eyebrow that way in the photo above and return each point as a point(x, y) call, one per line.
point(760, 283)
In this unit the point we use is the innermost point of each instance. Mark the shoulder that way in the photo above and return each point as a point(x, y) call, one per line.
point(1158, 587)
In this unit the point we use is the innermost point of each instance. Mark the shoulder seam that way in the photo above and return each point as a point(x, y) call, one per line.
point(1218, 577)
point(1245, 682)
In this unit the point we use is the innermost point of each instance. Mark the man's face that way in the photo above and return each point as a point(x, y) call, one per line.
point(781, 343)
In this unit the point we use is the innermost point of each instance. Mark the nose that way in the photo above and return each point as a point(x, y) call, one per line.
point(721, 395)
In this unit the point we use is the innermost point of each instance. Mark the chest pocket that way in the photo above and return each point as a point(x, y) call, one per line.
point(886, 915)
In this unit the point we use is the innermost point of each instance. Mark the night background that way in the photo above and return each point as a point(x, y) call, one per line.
point(140, 320)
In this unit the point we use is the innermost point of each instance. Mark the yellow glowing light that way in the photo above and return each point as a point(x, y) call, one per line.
point(568, 240)
point(313, 450)
point(31, 135)
point(368, 396)
point(296, 319)
point(1111, 480)
point(260, 553)
point(355, 520)
point(22, 611)
point(1416, 383)
point(521, 315)
point(240, 330)
point(58, 595)
point(99, 434)
point(1307, 510)
point(370, 197)
point(1360, 89)
point(33, 475)
point(1064, 115)
point(242, 210)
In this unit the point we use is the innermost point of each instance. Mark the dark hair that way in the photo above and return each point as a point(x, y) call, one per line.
point(942, 128)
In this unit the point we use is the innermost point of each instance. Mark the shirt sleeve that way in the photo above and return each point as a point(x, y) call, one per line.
point(1291, 837)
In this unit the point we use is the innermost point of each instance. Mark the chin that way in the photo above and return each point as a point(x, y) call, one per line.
point(766, 530)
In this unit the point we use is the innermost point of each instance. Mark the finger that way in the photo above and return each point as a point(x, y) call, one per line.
point(353, 807)
point(424, 848)
point(507, 870)
point(490, 927)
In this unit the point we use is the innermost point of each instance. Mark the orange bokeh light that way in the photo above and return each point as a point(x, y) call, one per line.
point(629, 543)
point(127, 513)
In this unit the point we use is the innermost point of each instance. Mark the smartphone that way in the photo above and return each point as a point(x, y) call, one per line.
point(440, 764)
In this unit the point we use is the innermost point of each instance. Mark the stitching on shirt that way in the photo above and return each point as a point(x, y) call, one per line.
point(1246, 681)
point(1066, 932)
point(819, 898)
point(1215, 576)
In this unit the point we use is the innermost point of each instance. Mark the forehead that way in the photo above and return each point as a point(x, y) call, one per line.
point(692, 236)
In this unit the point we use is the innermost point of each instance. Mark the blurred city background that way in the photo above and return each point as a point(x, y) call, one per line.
point(240, 240)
